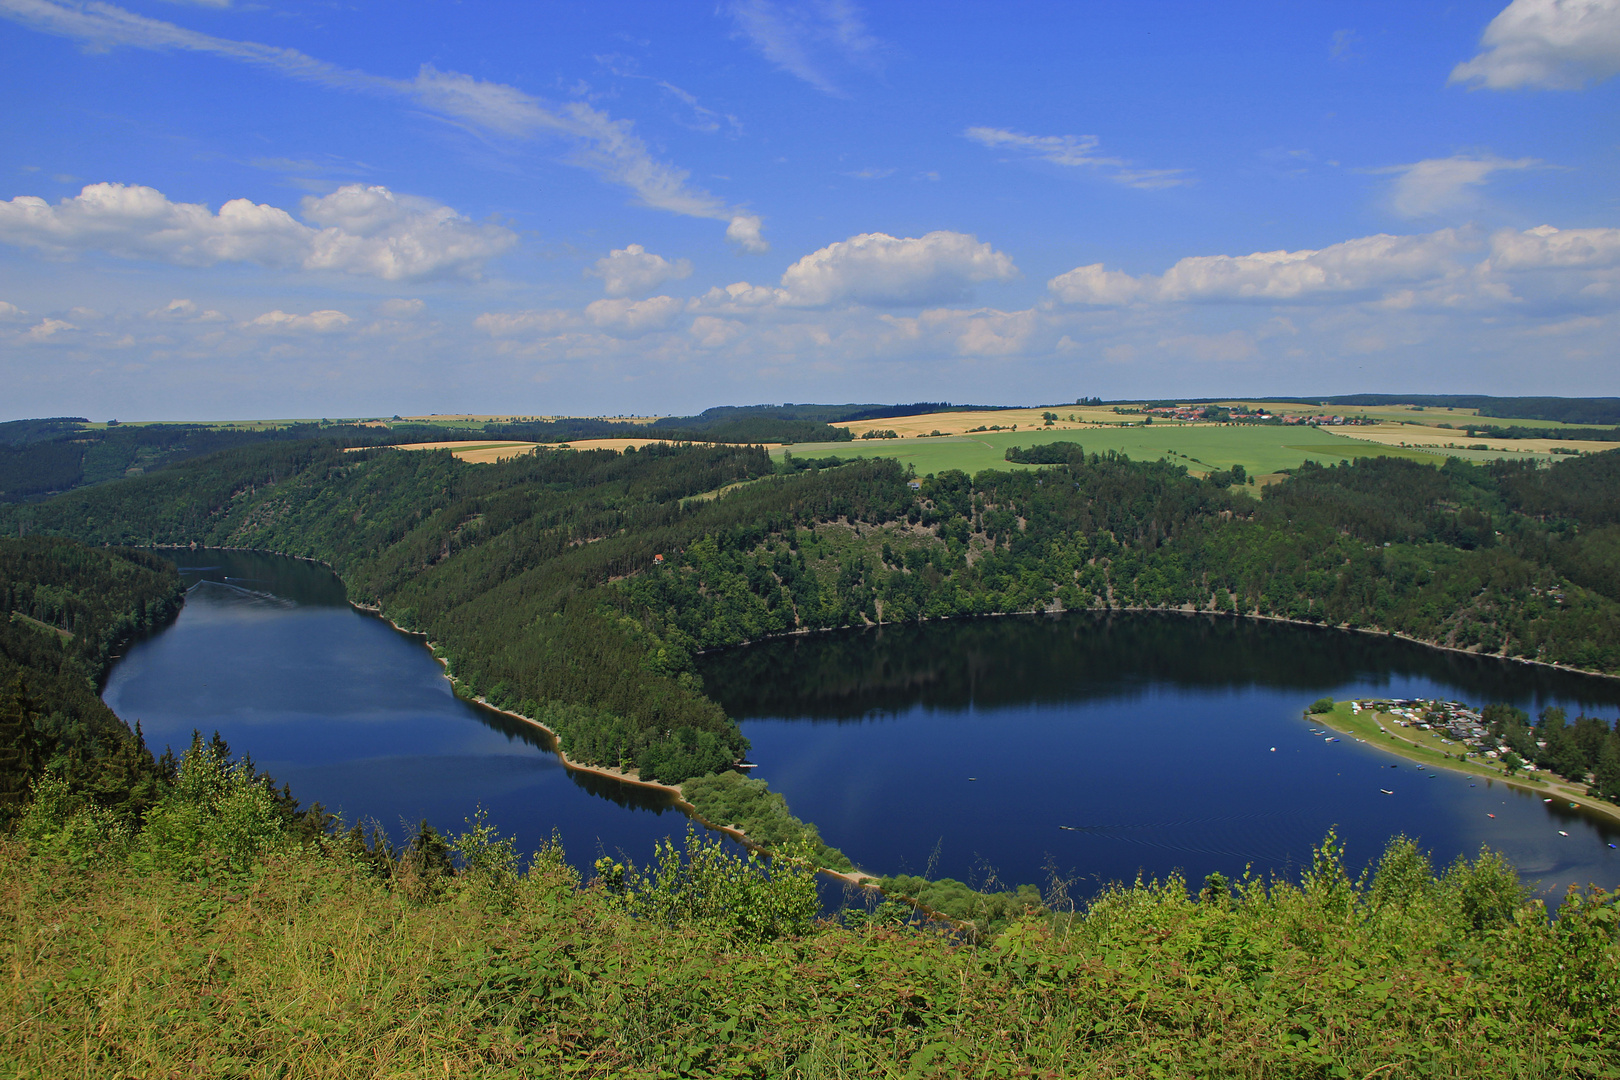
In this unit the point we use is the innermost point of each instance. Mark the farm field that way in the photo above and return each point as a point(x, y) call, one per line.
point(1459, 442)
point(1070, 417)
point(1262, 451)
point(486, 452)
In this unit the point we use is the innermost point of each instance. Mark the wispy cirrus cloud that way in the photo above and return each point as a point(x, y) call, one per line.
point(608, 147)
point(1439, 184)
point(806, 39)
point(1077, 151)
point(1551, 44)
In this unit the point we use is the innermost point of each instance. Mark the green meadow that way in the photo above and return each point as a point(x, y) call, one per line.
point(1201, 447)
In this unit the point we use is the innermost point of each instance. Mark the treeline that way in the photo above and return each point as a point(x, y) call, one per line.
point(1596, 410)
point(1583, 751)
point(1493, 431)
point(504, 567)
point(42, 457)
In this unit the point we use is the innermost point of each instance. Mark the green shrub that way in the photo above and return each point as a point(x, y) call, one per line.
point(748, 896)
point(218, 815)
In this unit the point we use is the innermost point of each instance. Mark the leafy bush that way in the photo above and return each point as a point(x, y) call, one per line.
point(218, 815)
point(748, 896)
point(1321, 705)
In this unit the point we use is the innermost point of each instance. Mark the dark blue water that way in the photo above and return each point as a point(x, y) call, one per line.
point(1164, 742)
point(357, 716)
point(958, 748)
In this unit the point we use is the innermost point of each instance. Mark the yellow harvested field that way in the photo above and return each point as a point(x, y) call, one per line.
point(480, 418)
point(613, 444)
point(1070, 418)
point(1443, 438)
point(483, 453)
point(478, 452)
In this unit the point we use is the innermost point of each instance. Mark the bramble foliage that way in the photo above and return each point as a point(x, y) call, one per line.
point(709, 964)
point(709, 885)
point(217, 816)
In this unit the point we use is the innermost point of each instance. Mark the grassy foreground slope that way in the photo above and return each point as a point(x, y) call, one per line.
point(302, 964)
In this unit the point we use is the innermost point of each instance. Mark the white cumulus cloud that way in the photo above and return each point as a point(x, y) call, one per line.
point(745, 231)
point(182, 310)
point(1547, 248)
point(1359, 267)
point(633, 317)
point(1538, 269)
point(1553, 44)
point(1438, 184)
point(46, 329)
point(635, 271)
point(10, 312)
point(885, 271)
point(357, 230)
point(316, 322)
point(1095, 285)
point(1354, 266)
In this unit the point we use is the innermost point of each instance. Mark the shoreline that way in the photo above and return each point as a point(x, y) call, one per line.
point(677, 796)
point(1455, 764)
point(861, 879)
point(1098, 609)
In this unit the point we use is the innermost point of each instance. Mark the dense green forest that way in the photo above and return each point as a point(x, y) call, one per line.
point(64, 608)
point(1595, 410)
point(576, 587)
point(43, 457)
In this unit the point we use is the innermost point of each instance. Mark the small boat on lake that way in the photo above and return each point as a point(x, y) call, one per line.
point(1386, 791)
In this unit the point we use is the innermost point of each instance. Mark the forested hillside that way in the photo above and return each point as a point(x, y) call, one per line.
point(48, 456)
point(575, 587)
point(63, 608)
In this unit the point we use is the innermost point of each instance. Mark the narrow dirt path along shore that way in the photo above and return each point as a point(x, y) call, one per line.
point(1368, 726)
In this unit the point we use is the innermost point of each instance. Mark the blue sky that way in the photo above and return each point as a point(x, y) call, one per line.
point(225, 208)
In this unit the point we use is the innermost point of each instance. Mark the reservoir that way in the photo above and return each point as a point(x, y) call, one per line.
point(355, 715)
point(961, 748)
point(1162, 741)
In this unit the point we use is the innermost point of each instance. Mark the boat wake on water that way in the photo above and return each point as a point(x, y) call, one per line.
point(225, 593)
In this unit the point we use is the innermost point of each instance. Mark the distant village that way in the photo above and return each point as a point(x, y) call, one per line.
point(1441, 718)
point(1243, 415)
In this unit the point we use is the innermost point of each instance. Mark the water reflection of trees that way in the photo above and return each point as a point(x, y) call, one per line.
point(1013, 660)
